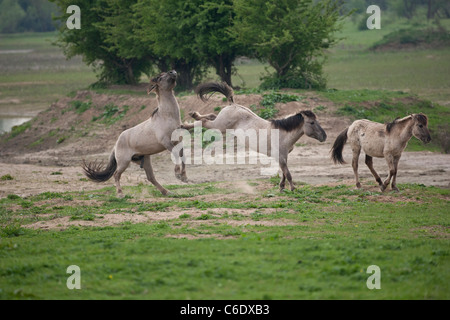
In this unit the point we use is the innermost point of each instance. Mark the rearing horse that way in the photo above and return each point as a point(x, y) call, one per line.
point(382, 141)
point(152, 136)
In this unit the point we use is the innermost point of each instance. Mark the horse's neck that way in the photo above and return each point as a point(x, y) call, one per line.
point(405, 132)
point(294, 135)
point(168, 104)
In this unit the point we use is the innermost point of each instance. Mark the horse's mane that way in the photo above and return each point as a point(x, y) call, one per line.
point(390, 125)
point(292, 122)
point(419, 116)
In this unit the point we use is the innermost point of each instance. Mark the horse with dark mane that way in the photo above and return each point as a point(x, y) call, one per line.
point(382, 141)
point(235, 116)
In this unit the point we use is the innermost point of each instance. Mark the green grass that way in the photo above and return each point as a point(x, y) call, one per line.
point(319, 246)
point(351, 65)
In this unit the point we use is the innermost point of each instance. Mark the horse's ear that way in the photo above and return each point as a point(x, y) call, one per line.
point(151, 88)
point(155, 79)
point(153, 84)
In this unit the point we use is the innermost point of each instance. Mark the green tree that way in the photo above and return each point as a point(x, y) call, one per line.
point(168, 28)
point(11, 13)
point(291, 35)
point(114, 58)
point(215, 39)
point(117, 25)
point(38, 16)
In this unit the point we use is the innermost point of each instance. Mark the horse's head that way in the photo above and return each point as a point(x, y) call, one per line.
point(311, 126)
point(165, 81)
point(420, 127)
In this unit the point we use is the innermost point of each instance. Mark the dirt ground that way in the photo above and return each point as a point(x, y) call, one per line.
point(57, 168)
point(308, 164)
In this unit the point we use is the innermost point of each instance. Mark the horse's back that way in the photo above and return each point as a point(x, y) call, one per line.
point(368, 135)
point(237, 116)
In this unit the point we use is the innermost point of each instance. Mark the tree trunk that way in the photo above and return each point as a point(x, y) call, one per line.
point(185, 74)
point(224, 68)
point(129, 77)
point(429, 10)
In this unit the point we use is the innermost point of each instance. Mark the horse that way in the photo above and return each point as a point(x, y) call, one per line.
point(235, 116)
point(147, 138)
point(381, 141)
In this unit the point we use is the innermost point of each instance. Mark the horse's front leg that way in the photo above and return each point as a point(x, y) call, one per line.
point(286, 174)
point(392, 163)
point(394, 177)
point(180, 168)
point(282, 182)
point(180, 173)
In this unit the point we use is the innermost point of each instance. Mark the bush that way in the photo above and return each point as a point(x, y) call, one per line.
point(436, 37)
point(442, 137)
point(6, 177)
point(297, 80)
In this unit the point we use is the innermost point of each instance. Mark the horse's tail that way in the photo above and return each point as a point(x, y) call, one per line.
point(338, 146)
point(95, 171)
point(211, 87)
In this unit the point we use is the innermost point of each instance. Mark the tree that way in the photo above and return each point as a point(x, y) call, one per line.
point(10, 15)
point(38, 15)
point(168, 29)
point(215, 39)
point(102, 41)
point(291, 35)
point(118, 26)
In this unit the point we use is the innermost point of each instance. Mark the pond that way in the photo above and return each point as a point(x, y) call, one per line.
point(7, 122)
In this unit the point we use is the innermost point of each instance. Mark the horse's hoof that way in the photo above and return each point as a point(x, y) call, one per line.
point(166, 192)
point(193, 114)
point(181, 177)
point(382, 188)
point(395, 189)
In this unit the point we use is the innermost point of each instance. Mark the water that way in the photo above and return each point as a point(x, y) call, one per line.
point(7, 122)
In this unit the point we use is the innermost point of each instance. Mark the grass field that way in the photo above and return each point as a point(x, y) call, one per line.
point(315, 242)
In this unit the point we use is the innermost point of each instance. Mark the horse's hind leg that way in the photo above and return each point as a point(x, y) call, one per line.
point(198, 116)
point(369, 163)
point(356, 152)
point(151, 176)
point(122, 165)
